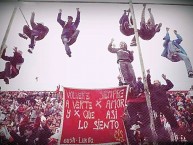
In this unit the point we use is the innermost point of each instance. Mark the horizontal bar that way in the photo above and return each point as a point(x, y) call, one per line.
point(102, 2)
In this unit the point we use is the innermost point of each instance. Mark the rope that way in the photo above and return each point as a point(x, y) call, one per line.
point(24, 17)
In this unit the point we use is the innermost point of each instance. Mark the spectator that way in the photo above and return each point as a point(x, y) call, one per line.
point(160, 103)
point(190, 93)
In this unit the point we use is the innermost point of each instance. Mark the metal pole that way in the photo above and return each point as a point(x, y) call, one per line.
point(147, 94)
point(7, 31)
point(184, 3)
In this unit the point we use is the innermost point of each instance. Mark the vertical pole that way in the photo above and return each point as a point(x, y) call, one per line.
point(147, 94)
point(7, 31)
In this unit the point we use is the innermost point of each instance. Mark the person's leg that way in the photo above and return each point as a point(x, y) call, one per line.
point(122, 22)
point(142, 23)
point(125, 26)
point(128, 75)
point(131, 74)
point(73, 38)
point(32, 44)
point(124, 18)
point(187, 62)
point(33, 24)
point(7, 72)
point(151, 21)
point(34, 34)
point(2, 74)
point(126, 70)
point(8, 69)
point(26, 32)
point(67, 48)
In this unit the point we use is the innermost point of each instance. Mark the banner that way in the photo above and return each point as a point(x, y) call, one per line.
point(93, 116)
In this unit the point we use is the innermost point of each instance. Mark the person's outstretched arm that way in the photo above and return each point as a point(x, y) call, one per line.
point(110, 47)
point(77, 21)
point(169, 85)
point(4, 57)
point(59, 20)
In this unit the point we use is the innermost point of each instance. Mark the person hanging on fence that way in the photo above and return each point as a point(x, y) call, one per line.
point(13, 64)
point(160, 104)
point(36, 33)
point(126, 24)
point(175, 52)
point(147, 29)
point(124, 59)
point(70, 31)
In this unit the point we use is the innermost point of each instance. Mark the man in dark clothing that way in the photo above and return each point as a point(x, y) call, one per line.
point(147, 29)
point(126, 27)
point(160, 103)
point(70, 32)
point(13, 65)
point(38, 32)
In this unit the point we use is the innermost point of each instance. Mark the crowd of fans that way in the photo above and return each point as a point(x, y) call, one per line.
point(181, 104)
point(31, 118)
point(182, 107)
point(34, 118)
